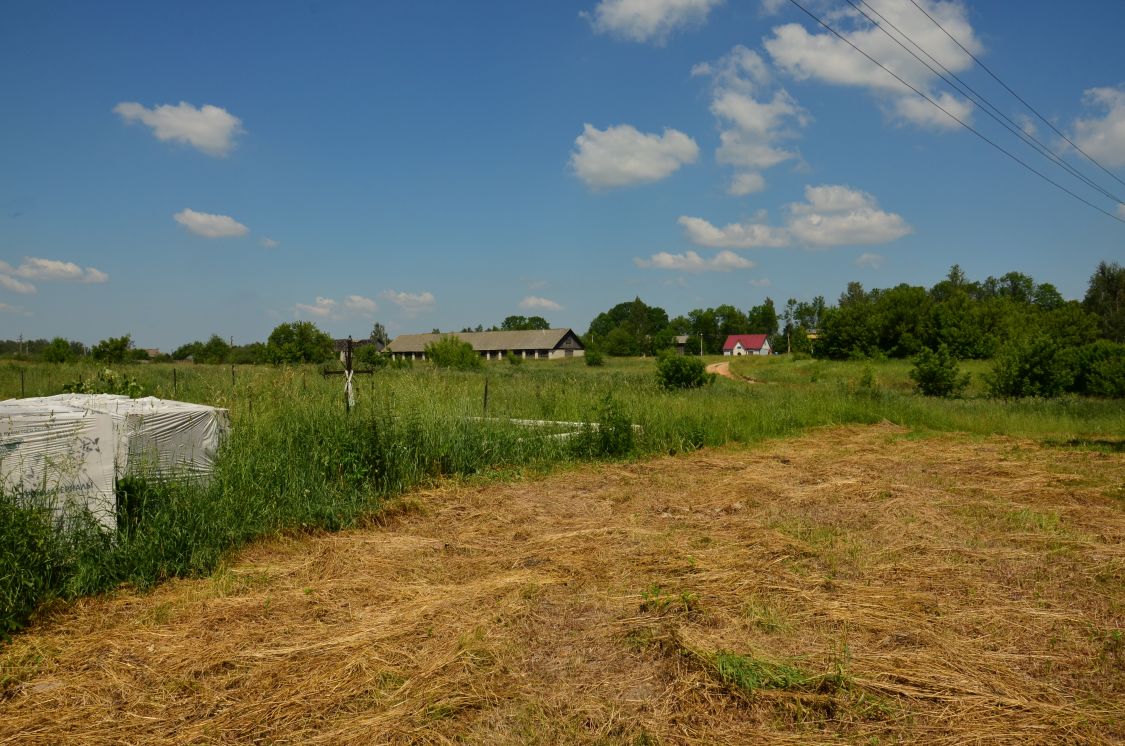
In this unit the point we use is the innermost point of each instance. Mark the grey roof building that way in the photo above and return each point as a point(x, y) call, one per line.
point(538, 343)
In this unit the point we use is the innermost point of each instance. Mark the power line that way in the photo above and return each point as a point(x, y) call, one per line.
point(986, 106)
point(996, 77)
point(954, 117)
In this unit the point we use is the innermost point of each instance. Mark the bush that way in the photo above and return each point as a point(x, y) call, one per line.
point(113, 350)
point(107, 382)
point(1029, 366)
point(680, 372)
point(612, 437)
point(594, 358)
point(1096, 369)
point(937, 374)
point(370, 356)
point(451, 352)
point(513, 358)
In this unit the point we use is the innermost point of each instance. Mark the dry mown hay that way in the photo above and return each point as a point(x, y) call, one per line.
point(940, 589)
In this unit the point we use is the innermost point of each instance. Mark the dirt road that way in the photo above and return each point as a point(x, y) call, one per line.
point(870, 584)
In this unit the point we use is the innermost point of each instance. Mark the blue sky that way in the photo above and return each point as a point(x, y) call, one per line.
point(173, 170)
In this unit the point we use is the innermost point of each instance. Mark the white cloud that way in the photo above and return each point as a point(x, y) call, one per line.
point(1027, 124)
point(53, 270)
point(828, 59)
point(648, 20)
point(756, 121)
point(5, 308)
point(764, 282)
point(1103, 138)
point(747, 182)
point(690, 261)
point(16, 286)
point(210, 129)
point(210, 226)
point(533, 302)
point(269, 243)
point(1121, 211)
point(622, 155)
point(360, 305)
point(831, 215)
point(411, 304)
point(733, 236)
point(840, 216)
point(324, 308)
point(869, 260)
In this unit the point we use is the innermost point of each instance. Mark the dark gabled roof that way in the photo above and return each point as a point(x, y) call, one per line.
point(538, 339)
point(749, 341)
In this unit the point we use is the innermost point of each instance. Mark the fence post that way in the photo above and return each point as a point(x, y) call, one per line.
point(232, 375)
point(486, 397)
point(22, 394)
point(175, 385)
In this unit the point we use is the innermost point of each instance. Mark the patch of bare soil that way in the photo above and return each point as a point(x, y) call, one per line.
point(723, 369)
point(859, 584)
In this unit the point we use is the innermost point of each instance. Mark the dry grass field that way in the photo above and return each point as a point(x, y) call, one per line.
point(862, 584)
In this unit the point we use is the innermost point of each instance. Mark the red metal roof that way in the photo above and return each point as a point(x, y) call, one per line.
point(749, 341)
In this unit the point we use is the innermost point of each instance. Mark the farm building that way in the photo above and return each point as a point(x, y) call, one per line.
point(536, 344)
point(747, 344)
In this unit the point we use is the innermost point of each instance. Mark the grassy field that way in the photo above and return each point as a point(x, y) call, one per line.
point(864, 584)
point(295, 462)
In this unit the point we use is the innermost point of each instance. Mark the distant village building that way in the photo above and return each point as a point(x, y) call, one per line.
point(545, 344)
point(681, 344)
point(747, 344)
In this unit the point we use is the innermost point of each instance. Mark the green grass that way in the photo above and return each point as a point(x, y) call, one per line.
point(296, 462)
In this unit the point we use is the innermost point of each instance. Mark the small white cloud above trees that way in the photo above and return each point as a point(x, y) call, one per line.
point(411, 304)
point(532, 302)
point(648, 20)
point(831, 215)
point(45, 270)
point(869, 260)
point(359, 305)
point(210, 225)
point(622, 155)
point(329, 309)
point(210, 129)
point(690, 261)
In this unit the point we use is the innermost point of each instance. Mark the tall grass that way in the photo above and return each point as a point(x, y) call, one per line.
point(296, 462)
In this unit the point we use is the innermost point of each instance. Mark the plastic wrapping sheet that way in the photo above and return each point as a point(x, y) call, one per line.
point(59, 456)
point(155, 437)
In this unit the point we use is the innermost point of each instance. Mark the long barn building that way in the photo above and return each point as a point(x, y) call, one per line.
point(535, 344)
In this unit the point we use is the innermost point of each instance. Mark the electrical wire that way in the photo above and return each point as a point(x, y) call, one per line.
point(986, 106)
point(1020, 98)
point(954, 117)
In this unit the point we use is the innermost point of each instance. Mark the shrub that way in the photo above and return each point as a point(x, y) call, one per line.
point(1096, 369)
point(298, 342)
point(113, 350)
point(937, 374)
point(451, 352)
point(513, 358)
point(370, 356)
point(58, 351)
point(594, 358)
point(680, 372)
point(612, 437)
point(1029, 366)
point(107, 382)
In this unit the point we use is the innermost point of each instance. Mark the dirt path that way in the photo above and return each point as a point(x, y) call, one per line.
point(720, 369)
point(942, 589)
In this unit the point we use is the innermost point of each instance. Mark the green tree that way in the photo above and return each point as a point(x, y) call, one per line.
point(379, 335)
point(113, 349)
point(524, 323)
point(215, 350)
point(680, 372)
point(1105, 298)
point(298, 342)
point(59, 351)
point(762, 319)
point(937, 374)
point(451, 352)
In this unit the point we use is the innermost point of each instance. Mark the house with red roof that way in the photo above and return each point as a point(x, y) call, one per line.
point(747, 344)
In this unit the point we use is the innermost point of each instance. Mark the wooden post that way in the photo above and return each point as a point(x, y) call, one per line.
point(486, 397)
point(175, 385)
point(22, 394)
point(348, 400)
point(232, 375)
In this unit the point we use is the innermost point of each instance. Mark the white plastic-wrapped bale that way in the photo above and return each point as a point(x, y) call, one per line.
point(59, 457)
point(157, 437)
